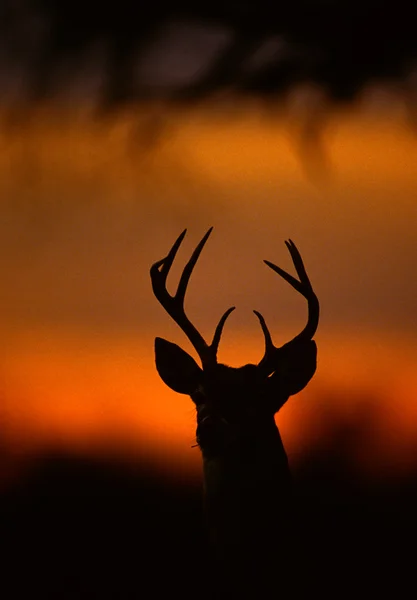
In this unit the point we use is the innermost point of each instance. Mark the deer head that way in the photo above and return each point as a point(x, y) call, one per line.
point(227, 398)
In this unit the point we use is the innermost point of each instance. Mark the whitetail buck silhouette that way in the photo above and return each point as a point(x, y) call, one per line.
point(247, 483)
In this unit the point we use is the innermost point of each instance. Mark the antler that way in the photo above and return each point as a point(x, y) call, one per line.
point(174, 305)
point(304, 287)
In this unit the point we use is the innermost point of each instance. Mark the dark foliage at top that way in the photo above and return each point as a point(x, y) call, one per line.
point(337, 45)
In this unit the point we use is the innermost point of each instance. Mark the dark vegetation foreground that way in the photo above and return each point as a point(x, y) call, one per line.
point(84, 529)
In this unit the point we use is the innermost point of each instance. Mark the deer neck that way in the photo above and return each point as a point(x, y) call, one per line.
point(247, 485)
point(247, 493)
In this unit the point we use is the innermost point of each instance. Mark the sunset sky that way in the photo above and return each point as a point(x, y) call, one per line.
point(87, 207)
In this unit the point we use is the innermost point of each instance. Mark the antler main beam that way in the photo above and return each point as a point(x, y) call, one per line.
point(304, 287)
point(174, 305)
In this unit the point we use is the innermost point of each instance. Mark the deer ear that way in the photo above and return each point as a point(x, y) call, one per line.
point(296, 365)
point(177, 369)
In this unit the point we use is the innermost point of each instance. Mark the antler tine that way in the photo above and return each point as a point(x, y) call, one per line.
point(166, 262)
point(174, 305)
point(189, 267)
point(304, 287)
point(269, 346)
point(219, 329)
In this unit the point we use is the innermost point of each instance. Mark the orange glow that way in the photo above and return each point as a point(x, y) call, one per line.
point(88, 207)
point(67, 391)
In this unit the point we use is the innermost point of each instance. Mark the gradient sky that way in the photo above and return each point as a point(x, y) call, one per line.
point(86, 208)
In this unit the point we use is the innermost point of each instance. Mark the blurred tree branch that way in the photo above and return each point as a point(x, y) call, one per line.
point(338, 45)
